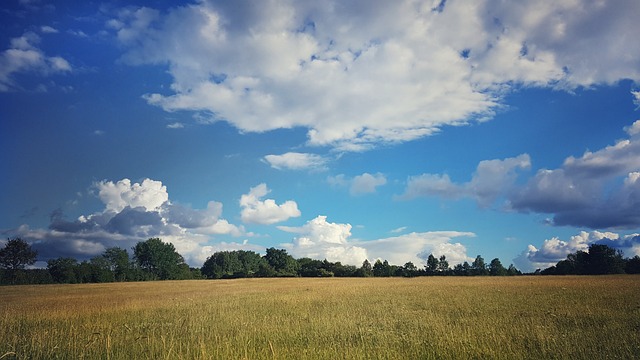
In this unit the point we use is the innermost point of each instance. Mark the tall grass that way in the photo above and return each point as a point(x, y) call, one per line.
point(372, 318)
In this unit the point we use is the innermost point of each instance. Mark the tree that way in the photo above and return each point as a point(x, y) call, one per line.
point(512, 270)
point(382, 268)
point(366, 270)
point(602, 259)
point(232, 264)
point(17, 254)
point(160, 260)
point(409, 269)
point(63, 270)
point(443, 264)
point(633, 265)
point(496, 268)
point(478, 267)
point(432, 264)
point(283, 263)
point(119, 263)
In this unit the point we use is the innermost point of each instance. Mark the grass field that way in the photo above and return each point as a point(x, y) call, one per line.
point(372, 318)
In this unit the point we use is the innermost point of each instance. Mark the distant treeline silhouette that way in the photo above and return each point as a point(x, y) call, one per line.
point(154, 259)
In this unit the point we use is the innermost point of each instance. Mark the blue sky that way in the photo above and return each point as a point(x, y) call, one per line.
point(340, 130)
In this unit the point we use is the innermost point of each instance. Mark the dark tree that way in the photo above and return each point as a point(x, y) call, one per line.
point(496, 268)
point(409, 270)
point(632, 265)
point(119, 263)
point(511, 271)
point(160, 260)
point(478, 267)
point(603, 259)
point(432, 264)
point(382, 269)
point(366, 270)
point(17, 254)
point(443, 264)
point(63, 270)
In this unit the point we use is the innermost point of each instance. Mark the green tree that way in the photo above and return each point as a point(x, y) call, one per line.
point(443, 264)
point(232, 264)
point(119, 263)
point(160, 260)
point(409, 269)
point(382, 269)
point(366, 270)
point(432, 264)
point(478, 267)
point(283, 263)
point(17, 254)
point(496, 268)
point(512, 270)
point(63, 270)
point(100, 269)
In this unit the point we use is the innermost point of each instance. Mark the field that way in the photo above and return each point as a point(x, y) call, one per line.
point(329, 318)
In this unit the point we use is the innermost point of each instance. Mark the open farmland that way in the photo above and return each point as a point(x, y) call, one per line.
point(328, 318)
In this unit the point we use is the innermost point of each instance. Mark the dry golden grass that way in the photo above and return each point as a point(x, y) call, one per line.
point(374, 318)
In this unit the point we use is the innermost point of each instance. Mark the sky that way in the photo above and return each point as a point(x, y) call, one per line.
point(338, 130)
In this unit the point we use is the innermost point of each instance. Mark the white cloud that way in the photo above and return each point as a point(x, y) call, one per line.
point(320, 239)
point(360, 184)
point(634, 129)
point(133, 213)
point(24, 57)
point(257, 211)
point(491, 180)
point(358, 74)
point(149, 194)
point(296, 161)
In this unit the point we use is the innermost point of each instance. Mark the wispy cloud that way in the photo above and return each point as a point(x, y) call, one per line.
point(359, 185)
point(23, 56)
point(297, 161)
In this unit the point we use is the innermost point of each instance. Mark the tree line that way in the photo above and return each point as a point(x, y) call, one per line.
point(154, 259)
point(599, 259)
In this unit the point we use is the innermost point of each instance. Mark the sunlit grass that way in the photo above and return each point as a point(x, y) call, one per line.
point(372, 318)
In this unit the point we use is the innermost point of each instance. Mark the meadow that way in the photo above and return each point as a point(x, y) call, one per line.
point(526, 317)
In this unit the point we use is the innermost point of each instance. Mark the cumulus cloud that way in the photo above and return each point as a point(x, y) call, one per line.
point(149, 194)
point(597, 190)
point(555, 249)
point(360, 73)
point(23, 56)
point(257, 211)
point(320, 239)
point(360, 184)
point(296, 161)
point(492, 179)
point(132, 212)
